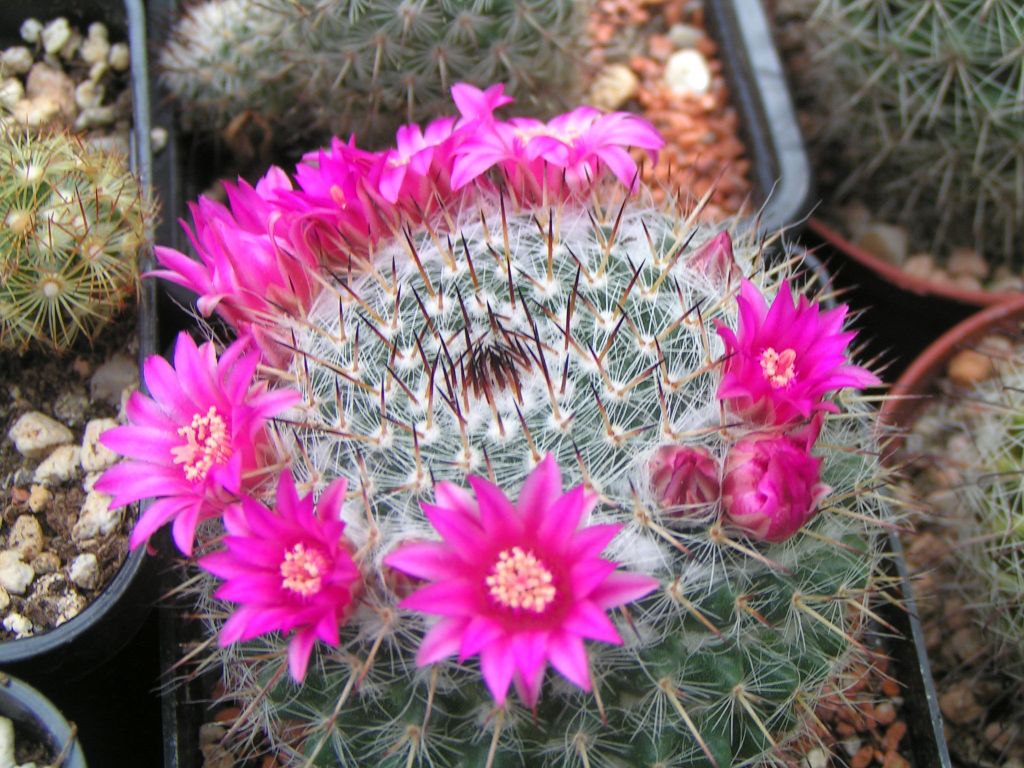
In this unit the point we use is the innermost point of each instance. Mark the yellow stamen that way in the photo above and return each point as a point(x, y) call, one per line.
point(302, 570)
point(778, 369)
point(206, 445)
point(520, 580)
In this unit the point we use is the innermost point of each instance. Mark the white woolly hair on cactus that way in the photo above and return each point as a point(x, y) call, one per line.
point(586, 333)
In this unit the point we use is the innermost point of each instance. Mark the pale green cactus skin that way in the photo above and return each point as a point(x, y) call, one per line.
point(925, 100)
point(727, 659)
point(311, 68)
point(73, 221)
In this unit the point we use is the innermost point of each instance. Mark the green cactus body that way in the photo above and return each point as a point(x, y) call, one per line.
point(585, 334)
point(926, 100)
point(73, 219)
point(362, 66)
point(993, 523)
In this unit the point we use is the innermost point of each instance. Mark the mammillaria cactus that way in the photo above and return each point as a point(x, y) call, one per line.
point(925, 101)
point(308, 67)
point(74, 218)
point(492, 390)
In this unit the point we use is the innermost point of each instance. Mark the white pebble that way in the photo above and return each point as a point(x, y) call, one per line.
point(5, 599)
point(60, 466)
point(39, 496)
point(26, 537)
point(15, 574)
point(112, 377)
point(56, 34)
point(95, 455)
point(30, 30)
point(96, 518)
point(11, 92)
point(94, 117)
point(98, 30)
point(98, 70)
point(158, 138)
point(119, 57)
point(684, 36)
point(687, 71)
point(16, 60)
point(95, 49)
point(7, 743)
point(85, 571)
point(18, 624)
point(35, 433)
point(614, 85)
point(88, 94)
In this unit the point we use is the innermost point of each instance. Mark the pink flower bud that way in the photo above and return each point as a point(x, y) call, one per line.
point(772, 484)
point(715, 258)
point(684, 476)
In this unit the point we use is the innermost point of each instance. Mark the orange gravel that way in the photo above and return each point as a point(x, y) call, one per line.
point(703, 151)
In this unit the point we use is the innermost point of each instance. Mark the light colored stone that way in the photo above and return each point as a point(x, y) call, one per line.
point(921, 265)
point(968, 367)
point(26, 537)
point(816, 758)
point(96, 48)
point(120, 57)
point(687, 72)
point(968, 644)
point(614, 85)
point(959, 705)
point(7, 759)
point(34, 113)
point(45, 562)
point(964, 282)
point(112, 143)
point(56, 34)
point(90, 481)
point(60, 466)
point(96, 456)
point(15, 574)
point(684, 36)
point(70, 48)
point(58, 598)
point(158, 138)
point(967, 261)
point(35, 434)
point(95, 117)
point(88, 93)
point(11, 92)
point(96, 518)
point(16, 60)
point(18, 624)
point(1005, 279)
point(85, 571)
point(856, 218)
point(46, 82)
point(886, 241)
point(5, 599)
point(39, 497)
point(30, 30)
point(114, 375)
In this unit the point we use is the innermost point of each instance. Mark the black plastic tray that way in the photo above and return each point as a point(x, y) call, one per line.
point(780, 166)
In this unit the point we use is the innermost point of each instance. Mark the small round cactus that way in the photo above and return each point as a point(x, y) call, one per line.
point(587, 336)
point(310, 68)
point(923, 103)
point(74, 219)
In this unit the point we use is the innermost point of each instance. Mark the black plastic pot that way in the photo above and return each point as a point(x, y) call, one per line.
point(779, 163)
point(37, 719)
point(112, 619)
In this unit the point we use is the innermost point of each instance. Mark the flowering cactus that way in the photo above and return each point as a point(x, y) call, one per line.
point(560, 361)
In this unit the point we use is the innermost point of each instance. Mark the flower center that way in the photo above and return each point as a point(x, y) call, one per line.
point(520, 580)
point(302, 570)
point(778, 369)
point(206, 444)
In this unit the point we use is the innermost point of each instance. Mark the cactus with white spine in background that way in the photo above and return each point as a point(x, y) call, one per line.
point(587, 334)
point(311, 68)
point(74, 219)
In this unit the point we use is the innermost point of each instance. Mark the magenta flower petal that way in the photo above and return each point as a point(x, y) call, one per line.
point(783, 360)
point(197, 438)
point(519, 584)
point(289, 569)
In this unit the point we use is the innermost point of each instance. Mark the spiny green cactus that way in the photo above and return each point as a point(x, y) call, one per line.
point(926, 100)
point(364, 66)
point(992, 528)
point(468, 352)
point(74, 218)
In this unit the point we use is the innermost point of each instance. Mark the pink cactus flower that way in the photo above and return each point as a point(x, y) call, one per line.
point(519, 584)
point(289, 569)
point(684, 478)
point(772, 484)
point(783, 360)
point(247, 270)
point(564, 157)
point(196, 442)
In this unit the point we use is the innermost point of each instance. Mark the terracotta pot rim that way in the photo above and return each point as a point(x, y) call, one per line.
point(904, 280)
point(910, 392)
